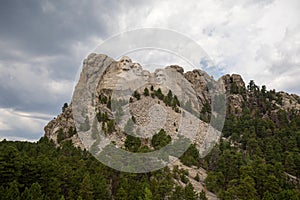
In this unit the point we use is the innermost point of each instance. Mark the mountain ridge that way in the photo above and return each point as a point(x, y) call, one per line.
point(236, 93)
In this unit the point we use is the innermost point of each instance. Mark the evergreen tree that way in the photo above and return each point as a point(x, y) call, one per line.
point(13, 191)
point(137, 95)
point(26, 195)
point(159, 94)
point(60, 135)
point(146, 92)
point(10, 164)
point(202, 195)
point(178, 193)
point(132, 143)
point(86, 187)
point(148, 194)
point(268, 196)
point(65, 106)
point(36, 191)
point(189, 192)
point(121, 194)
point(160, 139)
point(246, 189)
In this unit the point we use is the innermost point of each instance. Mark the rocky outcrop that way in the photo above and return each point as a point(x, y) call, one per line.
point(114, 80)
point(108, 77)
point(177, 68)
point(236, 93)
point(233, 79)
point(198, 185)
point(63, 124)
point(289, 102)
point(199, 80)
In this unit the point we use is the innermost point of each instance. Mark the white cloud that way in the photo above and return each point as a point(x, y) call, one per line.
point(281, 62)
point(21, 125)
point(31, 82)
point(244, 37)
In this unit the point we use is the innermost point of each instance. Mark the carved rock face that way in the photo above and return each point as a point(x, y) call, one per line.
point(160, 77)
point(125, 63)
point(137, 69)
point(146, 75)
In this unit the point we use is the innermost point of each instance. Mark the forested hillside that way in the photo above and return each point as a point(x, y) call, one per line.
point(47, 170)
point(42, 171)
point(258, 157)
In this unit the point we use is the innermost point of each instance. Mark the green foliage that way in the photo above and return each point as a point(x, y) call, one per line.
point(86, 188)
point(191, 156)
point(184, 179)
point(147, 194)
point(109, 103)
point(65, 106)
point(160, 139)
point(254, 159)
point(146, 92)
point(205, 113)
point(12, 191)
point(159, 94)
point(133, 119)
point(121, 194)
point(202, 195)
point(72, 131)
point(111, 126)
point(60, 135)
point(137, 95)
point(189, 192)
point(178, 193)
point(103, 99)
point(132, 143)
point(251, 86)
point(36, 191)
point(169, 100)
point(234, 88)
point(197, 178)
point(102, 117)
point(42, 171)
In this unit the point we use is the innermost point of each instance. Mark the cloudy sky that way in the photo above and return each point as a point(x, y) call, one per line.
point(44, 42)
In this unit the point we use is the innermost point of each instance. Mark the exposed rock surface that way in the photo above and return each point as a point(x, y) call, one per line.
point(199, 80)
point(192, 173)
point(106, 76)
point(290, 102)
point(233, 79)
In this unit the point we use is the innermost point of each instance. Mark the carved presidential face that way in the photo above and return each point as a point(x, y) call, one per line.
point(125, 63)
point(160, 77)
point(137, 69)
point(146, 75)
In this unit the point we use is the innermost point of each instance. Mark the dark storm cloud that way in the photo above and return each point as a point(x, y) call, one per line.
point(44, 27)
point(37, 48)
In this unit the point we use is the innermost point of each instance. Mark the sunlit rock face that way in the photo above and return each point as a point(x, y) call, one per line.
point(125, 63)
point(118, 80)
point(137, 69)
